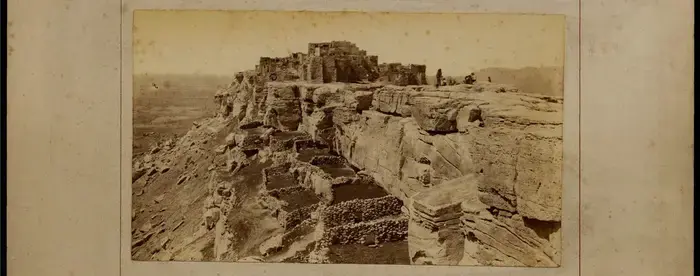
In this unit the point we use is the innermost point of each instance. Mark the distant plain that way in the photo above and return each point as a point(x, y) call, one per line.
point(165, 105)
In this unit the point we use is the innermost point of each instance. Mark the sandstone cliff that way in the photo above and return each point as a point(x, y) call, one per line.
point(478, 167)
point(306, 162)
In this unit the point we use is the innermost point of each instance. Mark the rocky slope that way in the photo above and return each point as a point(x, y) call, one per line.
point(337, 173)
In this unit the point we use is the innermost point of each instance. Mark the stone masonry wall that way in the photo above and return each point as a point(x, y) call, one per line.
point(475, 165)
point(361, 210)
point(398, 74)
point(336, 61)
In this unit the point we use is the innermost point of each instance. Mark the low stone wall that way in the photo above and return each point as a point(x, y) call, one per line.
point(301, 145)
point(285, 191)
point(355, 211)
point(294, 218)
point(381, 230)
point(250, 139)
point(327, 160)
point(283, 168)
point(301, 229)
point(417, 140)
point(315, 179)
point(280, 142)
point(268, 173)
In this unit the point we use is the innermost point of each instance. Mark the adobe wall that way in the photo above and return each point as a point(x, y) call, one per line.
point(399, 74)
point(284, 69)
point(337, 61)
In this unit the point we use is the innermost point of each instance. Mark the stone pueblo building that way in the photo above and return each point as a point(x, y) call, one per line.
point(329, 157)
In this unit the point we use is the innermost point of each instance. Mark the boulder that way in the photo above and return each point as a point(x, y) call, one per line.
point(230, 140)
point(168, 144)
point(469, 116)
point(211, 217)
point(220, 149)
point(146, 227)
point(159, 198)
point(271, 245)
point(182, 179)
point(164, 242)
point(138, 172)
point(147, 158)
point(435, 114)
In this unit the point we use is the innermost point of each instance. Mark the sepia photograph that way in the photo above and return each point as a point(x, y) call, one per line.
point(347, 137)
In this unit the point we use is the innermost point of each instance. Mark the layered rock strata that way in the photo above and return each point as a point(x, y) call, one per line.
point(465, 174)
point(503, 147)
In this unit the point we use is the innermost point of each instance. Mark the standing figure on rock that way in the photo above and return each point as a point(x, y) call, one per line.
point(438, 78)
point(489, 78)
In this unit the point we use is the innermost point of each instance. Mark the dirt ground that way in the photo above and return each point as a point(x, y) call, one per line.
point(387, 253)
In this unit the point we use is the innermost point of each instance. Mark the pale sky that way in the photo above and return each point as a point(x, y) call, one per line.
point(225, 42)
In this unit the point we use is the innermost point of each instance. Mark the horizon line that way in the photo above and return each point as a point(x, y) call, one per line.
point(232, 74)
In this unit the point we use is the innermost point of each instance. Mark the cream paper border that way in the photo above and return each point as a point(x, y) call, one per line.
point(65, 106)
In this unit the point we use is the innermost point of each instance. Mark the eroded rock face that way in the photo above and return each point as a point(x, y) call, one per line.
point(283, 110)
point(435, 114)
point(503, 239)
point(271, 245)
point(435, 235)
point(477, 166)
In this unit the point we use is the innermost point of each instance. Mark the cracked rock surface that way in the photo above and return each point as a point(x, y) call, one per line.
point(324, 173)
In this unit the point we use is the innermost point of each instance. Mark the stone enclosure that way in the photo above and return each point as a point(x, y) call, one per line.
point(342, 151)
point(338, 61)
point(477, 168)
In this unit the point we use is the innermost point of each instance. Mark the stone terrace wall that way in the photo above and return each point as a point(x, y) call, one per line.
point(417, 142)
point(383, 230)
point(284, 69)
point(361, 210)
